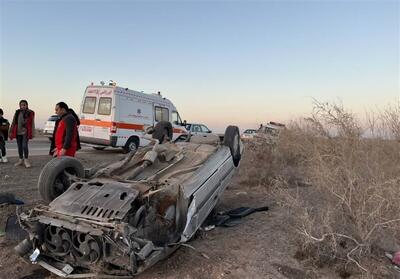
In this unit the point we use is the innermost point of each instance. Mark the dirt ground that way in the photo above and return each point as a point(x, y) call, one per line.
point(263, 246)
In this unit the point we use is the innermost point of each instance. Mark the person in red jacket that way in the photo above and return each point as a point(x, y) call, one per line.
point(23, 129)
point(66, 138)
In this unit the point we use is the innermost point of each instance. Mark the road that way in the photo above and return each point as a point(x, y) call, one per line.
point(38, 146)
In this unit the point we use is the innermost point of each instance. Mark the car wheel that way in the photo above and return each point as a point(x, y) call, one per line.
point(131, 145)
point(162, 130)
point(99, 147)
point(232, 140)
point(53, 180)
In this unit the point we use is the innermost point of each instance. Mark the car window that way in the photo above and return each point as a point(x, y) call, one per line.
point(104, 106)
point(188, 126)
point(196, 128)
point(174, 117)
point(204, 129)
point(162, 114)
point(89, 105)
point(53, 118)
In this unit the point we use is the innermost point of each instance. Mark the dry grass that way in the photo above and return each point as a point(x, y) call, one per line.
point(352, 205)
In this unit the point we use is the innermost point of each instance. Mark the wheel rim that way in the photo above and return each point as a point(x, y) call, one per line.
point(62, 183)
point(132, 146)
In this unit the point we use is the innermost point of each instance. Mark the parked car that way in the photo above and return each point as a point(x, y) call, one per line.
point(248, 134)
point(122, 218)
point(197, 129)
point(49, 126)
point(270, 132)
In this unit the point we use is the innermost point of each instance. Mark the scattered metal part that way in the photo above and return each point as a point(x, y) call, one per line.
point(34, 256)
point(67, 269)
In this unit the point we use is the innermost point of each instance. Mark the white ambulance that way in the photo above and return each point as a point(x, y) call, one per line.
point(117, 117)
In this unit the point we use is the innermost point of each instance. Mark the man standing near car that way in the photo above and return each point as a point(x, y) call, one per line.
point(4, 126)
point(23, 129)
point(66, 139)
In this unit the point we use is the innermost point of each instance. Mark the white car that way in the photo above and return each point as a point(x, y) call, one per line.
point(120, 219)
point(197, 129)
point(270, 132)
point(248, 134)
point(49, 126)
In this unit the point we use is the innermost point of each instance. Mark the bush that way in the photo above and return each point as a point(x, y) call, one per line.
point(354, 199)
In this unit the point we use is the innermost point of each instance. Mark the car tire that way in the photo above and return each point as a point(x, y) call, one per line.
point(161, 130)
point(52, 180)
point(99, 147)
point(132, 144)
point(232, 140)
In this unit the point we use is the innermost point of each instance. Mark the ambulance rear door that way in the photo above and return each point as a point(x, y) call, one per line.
point(88, 113)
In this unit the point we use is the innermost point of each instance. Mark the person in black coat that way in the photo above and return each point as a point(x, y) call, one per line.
point(4, 127)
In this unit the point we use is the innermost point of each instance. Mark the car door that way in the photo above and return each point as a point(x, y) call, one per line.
point(196, 129)
point(86, 129)
point(205, 130)
point(103, 116)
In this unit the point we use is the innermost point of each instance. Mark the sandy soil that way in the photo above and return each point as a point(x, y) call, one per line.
point(263, 246)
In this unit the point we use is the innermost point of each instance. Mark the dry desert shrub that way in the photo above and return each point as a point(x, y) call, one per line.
point(259, 166)
point(353, 203)
point(384, 124)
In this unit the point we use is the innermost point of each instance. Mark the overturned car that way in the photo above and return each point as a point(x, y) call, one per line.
point(121, 218)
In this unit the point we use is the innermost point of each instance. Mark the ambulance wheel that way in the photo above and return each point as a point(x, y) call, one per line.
point(162, 130)
point(53, 179)
point(232, 140)
point(131, 145)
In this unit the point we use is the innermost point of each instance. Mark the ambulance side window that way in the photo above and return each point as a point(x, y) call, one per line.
point(89, 105)
point(162, 114)
point(104, 106)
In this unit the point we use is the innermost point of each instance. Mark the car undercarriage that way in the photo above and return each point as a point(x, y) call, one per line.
point(119, 219)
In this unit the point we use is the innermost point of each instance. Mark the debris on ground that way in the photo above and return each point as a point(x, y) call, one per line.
point(230, 218)
point(9, 198)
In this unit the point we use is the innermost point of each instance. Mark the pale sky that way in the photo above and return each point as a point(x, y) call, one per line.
point(220, 62)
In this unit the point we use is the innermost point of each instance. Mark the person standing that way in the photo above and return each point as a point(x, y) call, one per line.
point(65, 136)
point(23, 129)
point(4, 126)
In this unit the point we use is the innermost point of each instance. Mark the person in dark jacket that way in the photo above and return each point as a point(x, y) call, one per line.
point(4, 126)
point(23, 129)
point(65, 136)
